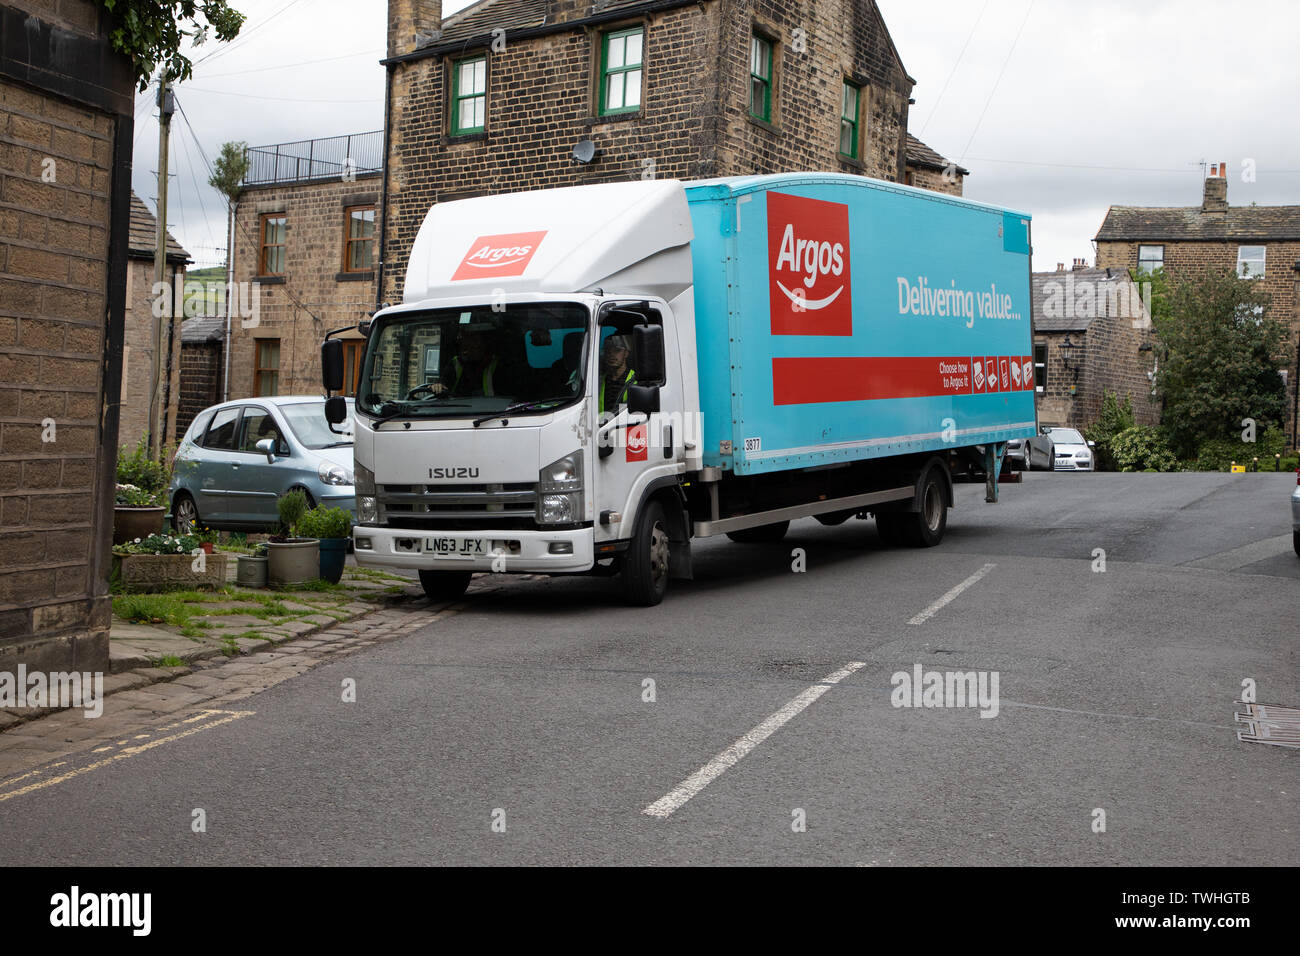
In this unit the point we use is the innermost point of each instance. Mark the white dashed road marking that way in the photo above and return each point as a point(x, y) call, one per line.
point(665, 805)
point(947, 599)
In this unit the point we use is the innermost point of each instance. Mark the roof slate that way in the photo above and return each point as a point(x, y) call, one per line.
point(918, 154)
point(1066, 298)
point(1155, 223)
point(144, 234)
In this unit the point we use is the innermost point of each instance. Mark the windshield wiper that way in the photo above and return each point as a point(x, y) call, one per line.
point(520, 407)
point(336, 444)
point(399, 409)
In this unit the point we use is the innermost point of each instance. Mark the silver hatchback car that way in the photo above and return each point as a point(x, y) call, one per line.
point(238, 457)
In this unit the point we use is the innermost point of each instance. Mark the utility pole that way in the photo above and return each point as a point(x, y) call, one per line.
point(166, 106)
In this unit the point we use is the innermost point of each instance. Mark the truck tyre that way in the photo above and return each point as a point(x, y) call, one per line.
point(1295, 540)
point(444, 585)
point(763, 534)
point(925, 528)
point(645, 566)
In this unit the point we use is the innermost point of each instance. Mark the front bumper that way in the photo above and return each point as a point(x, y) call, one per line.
point(345, 499)
point(524, 552)
point(1071, 464)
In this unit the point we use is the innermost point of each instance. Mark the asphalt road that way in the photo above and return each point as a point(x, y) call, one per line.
point(1116, 692)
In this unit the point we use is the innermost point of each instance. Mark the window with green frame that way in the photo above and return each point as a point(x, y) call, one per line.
point(760, 78)
point(469, 95)
point(621, 53)
point(850, 107)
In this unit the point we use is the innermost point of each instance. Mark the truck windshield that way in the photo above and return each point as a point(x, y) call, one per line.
point(467, 362)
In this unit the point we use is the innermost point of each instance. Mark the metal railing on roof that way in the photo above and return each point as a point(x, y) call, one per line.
point(311, 159)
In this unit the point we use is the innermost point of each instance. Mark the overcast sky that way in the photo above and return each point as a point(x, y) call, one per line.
point(1097, 102)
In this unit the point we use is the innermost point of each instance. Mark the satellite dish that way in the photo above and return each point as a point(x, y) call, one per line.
point(584, 151)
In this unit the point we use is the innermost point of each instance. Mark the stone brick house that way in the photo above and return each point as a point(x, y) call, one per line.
point(1261, 241)
point(1092, 334)
point(497, 97)
point(66, 106)
point(305, 256)
point(137, 350)
point(926, 169)
point(203, 367)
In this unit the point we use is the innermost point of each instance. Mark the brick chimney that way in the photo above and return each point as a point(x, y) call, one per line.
point(412, 24)
point(1080, 264)
point(1060, 267)
point(1216, 189)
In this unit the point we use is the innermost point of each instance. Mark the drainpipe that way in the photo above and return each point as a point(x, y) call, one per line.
point(230, 290)
point(383, 195)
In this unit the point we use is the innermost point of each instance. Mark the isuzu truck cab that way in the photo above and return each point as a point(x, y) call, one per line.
point(585, 380)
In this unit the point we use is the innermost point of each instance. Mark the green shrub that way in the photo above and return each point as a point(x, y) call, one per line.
point(1218, 454)
point(1115, 417)
point(1142, 447)
point(321, 522)
point(139, 469)
point(292, 506)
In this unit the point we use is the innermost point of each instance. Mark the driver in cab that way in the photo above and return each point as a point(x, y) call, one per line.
point(473, 371)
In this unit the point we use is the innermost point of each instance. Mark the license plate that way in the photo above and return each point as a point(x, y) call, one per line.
point(455, 547)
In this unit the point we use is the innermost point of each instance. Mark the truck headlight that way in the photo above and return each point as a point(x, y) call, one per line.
point(559, 491)
point(367, 503)
point(333, 474)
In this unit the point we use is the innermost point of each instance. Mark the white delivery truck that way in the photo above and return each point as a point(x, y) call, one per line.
point(584, 380)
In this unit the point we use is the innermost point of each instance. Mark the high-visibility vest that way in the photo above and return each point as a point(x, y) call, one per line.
point(622, 394)
point(488, 370)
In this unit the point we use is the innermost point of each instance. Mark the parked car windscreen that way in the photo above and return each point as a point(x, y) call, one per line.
point(1066, 436)
point(307, 419)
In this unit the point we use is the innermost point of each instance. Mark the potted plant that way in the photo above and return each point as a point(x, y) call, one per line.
point(140, 503)
point(208, 538)
point(333, 528)
point(161, 562)
point(251, 568)
point(291, 559)
point(136, 514)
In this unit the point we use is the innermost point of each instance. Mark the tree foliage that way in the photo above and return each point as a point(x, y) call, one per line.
point(150, 32)
point(229, 170)
point(1220, 353)
point(1116, 416)
point(1142, 448)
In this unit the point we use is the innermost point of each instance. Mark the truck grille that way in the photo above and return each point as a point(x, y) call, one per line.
point(434, 506)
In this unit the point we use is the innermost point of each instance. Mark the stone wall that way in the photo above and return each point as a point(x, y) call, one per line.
point(65, 144)
point(1188, 259)
point(314, 295)
point(137, 356)
point(202, 368)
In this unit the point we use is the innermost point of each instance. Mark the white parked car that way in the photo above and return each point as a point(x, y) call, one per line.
point(1072, 452)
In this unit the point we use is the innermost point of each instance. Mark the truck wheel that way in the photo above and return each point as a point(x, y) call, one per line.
point(1295, 540)
point(645, 566)
point(444, 585)
point(925, 528)
point(763, 534)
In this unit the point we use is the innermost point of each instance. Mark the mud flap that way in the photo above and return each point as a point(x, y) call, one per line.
point(993, 457)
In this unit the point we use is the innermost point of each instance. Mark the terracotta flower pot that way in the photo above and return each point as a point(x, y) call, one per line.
point(131, 523)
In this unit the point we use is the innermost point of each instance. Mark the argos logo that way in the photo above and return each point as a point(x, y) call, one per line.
point(811, 279)
point(497, 257)
point(638, 443)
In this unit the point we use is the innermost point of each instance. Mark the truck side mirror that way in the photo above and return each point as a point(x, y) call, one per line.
point(336, 410)
point(648, 343)
point(331, 365)
point(364, 327)
point(643, 399)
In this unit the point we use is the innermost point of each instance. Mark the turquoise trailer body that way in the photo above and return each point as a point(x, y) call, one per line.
point(841, 318)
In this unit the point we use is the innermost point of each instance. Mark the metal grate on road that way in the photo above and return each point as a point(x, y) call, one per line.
point(1269, 724)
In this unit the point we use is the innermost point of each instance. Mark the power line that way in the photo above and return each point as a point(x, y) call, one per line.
point(1014, 44)
point(280, 99)
point(286, 66)
point(239, 40)
point(970, 36)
